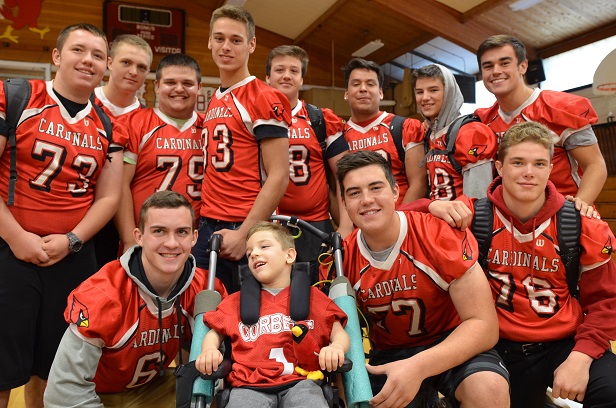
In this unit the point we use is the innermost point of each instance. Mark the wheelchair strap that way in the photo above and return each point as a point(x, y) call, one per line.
point(299, 308)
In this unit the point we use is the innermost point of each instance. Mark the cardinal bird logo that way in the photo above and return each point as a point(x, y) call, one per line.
point(476, 150)
point(79, 314)
point(306, 351)
point(607, 247)
point(467, 252)
point(278, 109)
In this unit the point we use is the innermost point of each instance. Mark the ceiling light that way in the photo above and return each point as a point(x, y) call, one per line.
point(368, 48)
point(523, 4)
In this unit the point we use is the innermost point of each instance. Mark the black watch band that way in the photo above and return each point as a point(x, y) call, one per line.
point(74, 243)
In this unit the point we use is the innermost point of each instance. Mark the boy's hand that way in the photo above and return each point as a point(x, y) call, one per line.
point(331, 357)
point(208, 361)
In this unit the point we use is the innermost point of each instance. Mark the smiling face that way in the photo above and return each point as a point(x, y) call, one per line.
point(231, 48)
point(177, 91)
point(81, 63)
point(370, 200)
point(286, 76)
point(525, 171)
point(363, 93)
point(429, 93)
point(502, 73)
point(129, 67)
point(268, 261)
point(166, 240)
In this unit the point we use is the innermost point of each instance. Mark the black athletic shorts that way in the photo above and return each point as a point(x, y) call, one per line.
point(32, 303)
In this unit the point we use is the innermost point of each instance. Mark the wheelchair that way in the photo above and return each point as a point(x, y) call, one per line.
point(194, 389)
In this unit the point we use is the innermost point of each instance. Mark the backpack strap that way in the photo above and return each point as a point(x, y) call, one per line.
point(299, 307)
point(107, 125)
point(482, 228)
point(450, 140)
point(569, 228)
point(395, 128)
point(317, 122)
point(17, 93)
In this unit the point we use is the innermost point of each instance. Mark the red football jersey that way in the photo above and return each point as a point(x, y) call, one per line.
point(260, 352)
point(475, 144)
point(406, 296)
point(307, 195)
point(109, 108)
point(59, 158)
point(375, 135)
point(563, 114)
point(530, 283)
point(233, 169)
point(123, 321)
point(166, 157)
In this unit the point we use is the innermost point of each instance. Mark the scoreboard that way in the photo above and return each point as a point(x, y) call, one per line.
point(163, 29)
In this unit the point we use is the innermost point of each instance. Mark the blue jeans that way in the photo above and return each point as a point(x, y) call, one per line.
point(227, 270)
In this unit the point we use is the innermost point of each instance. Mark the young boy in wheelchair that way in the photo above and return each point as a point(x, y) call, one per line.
point(266, 354)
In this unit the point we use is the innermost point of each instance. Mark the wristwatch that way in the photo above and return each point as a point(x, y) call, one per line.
point(74, 243)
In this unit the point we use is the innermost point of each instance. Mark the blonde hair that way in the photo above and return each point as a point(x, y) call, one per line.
point(280, 233)
point(130, 39)
point(533, 132)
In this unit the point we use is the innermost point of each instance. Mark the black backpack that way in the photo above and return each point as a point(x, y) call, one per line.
point(568, 227)
point(17, 92)
point(450, 141)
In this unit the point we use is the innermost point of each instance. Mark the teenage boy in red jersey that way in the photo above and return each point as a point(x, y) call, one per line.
point(165, 147)
point(370, 129)
point(307, 195)
point(246, 136)
point(66, 190)
point(130, 57)
point(548, 337)
point(428, 299)
point(129, 320)
point(579, 167)
point(439, 99)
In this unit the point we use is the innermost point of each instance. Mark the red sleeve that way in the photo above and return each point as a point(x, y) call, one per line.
point(95, 314)
point(413, 133)
point(476, 143)
point(420, 205)
point(563, 112)
point(597, 289)
point(334, 125)
point(270, 107)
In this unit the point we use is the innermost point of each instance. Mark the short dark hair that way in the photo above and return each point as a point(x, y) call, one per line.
point(164, 199)
point(235, 13)
point(500, 40)
point(291, 51)
point(178, 60)
point(357, 63)
point(359, 159)
point(533, 132)
point(429, 71)
point(66, 31)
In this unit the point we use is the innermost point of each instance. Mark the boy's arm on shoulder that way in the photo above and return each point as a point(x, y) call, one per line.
point(595, 171)
point(70, 379)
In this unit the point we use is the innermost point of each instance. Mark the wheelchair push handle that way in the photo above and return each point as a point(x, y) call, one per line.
point(214, 248)
point(293, 221)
